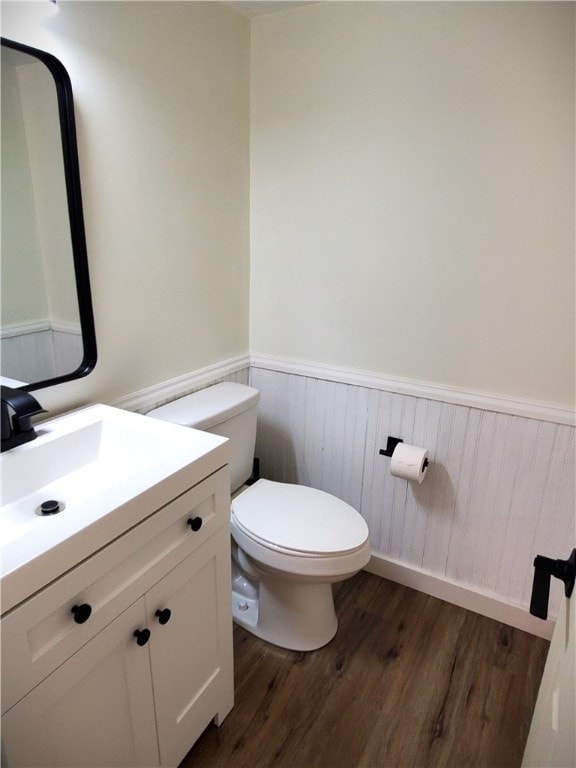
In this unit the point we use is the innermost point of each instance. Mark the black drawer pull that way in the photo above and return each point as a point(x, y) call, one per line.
point(142, 636)
point(195, 523)
point(81, 612)
point(163, 615)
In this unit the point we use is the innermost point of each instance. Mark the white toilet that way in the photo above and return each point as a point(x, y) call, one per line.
point(290, 543)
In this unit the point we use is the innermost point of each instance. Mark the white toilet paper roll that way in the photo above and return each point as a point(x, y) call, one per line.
point(409, 462)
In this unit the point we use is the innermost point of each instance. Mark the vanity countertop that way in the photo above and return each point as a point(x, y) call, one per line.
point(117, 468)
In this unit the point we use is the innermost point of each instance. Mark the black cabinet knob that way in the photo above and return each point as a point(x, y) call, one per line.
point(142, 636)
point(81, 612)
point(195, 523)
point(163, 615)
point(544, 568)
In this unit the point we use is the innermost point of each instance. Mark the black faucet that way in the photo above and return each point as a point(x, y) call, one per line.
point(17, 427)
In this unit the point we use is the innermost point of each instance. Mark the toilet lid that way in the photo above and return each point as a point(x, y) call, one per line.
point(300, 519)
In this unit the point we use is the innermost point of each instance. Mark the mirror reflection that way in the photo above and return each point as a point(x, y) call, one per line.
point(47, 331)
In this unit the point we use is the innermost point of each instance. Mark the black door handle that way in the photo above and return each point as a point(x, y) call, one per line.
point(544, 567)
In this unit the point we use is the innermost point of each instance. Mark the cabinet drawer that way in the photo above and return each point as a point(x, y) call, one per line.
point(41, 633)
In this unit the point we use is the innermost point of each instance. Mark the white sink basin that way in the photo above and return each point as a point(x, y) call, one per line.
point(102, 464)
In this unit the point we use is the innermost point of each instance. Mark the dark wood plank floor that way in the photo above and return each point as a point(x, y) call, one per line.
point(408, 682)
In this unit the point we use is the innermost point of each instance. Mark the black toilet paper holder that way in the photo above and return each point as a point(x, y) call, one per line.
point(390, 445)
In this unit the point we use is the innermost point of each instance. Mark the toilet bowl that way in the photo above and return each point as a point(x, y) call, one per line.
point(290, 543)
point(295, 542)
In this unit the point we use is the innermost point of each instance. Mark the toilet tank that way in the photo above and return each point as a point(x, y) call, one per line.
point(226, 409)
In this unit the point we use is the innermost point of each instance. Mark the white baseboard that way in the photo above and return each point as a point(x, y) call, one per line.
point(468, 398)
point(158, 394)
point(486, 605)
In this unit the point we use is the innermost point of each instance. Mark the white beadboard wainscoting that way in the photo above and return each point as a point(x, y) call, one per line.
point(500, 488)
point(40, 350)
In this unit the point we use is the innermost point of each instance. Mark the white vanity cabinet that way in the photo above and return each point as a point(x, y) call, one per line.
point(125, 659)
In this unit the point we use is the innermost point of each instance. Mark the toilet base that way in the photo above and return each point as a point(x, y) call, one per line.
point(244, 611)
point(298, 616)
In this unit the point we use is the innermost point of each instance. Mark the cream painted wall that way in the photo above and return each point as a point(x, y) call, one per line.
point(412, 188)
point(21, 256)
point(162, 107)
point(39, 107)
point(412, 192)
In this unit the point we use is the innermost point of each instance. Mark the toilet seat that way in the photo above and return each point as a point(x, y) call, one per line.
point(298, 521)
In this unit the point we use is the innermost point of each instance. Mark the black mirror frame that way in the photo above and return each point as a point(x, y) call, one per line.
point(75, 213)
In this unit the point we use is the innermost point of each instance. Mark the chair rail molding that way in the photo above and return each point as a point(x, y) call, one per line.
point(152, 397)
point(454, 396)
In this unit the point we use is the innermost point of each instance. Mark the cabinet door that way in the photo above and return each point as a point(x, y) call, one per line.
point(94, 710)
point(191, 654)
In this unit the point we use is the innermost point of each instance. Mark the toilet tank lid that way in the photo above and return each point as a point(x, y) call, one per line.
point(208, 407)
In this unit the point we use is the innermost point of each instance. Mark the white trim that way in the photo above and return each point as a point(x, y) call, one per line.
point(62, 326)
point(465, 597)
point(151, 397)
point(23, 329)
point(470, 399)
point(39, 326)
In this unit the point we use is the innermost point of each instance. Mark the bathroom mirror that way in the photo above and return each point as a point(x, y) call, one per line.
point(47, 326)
